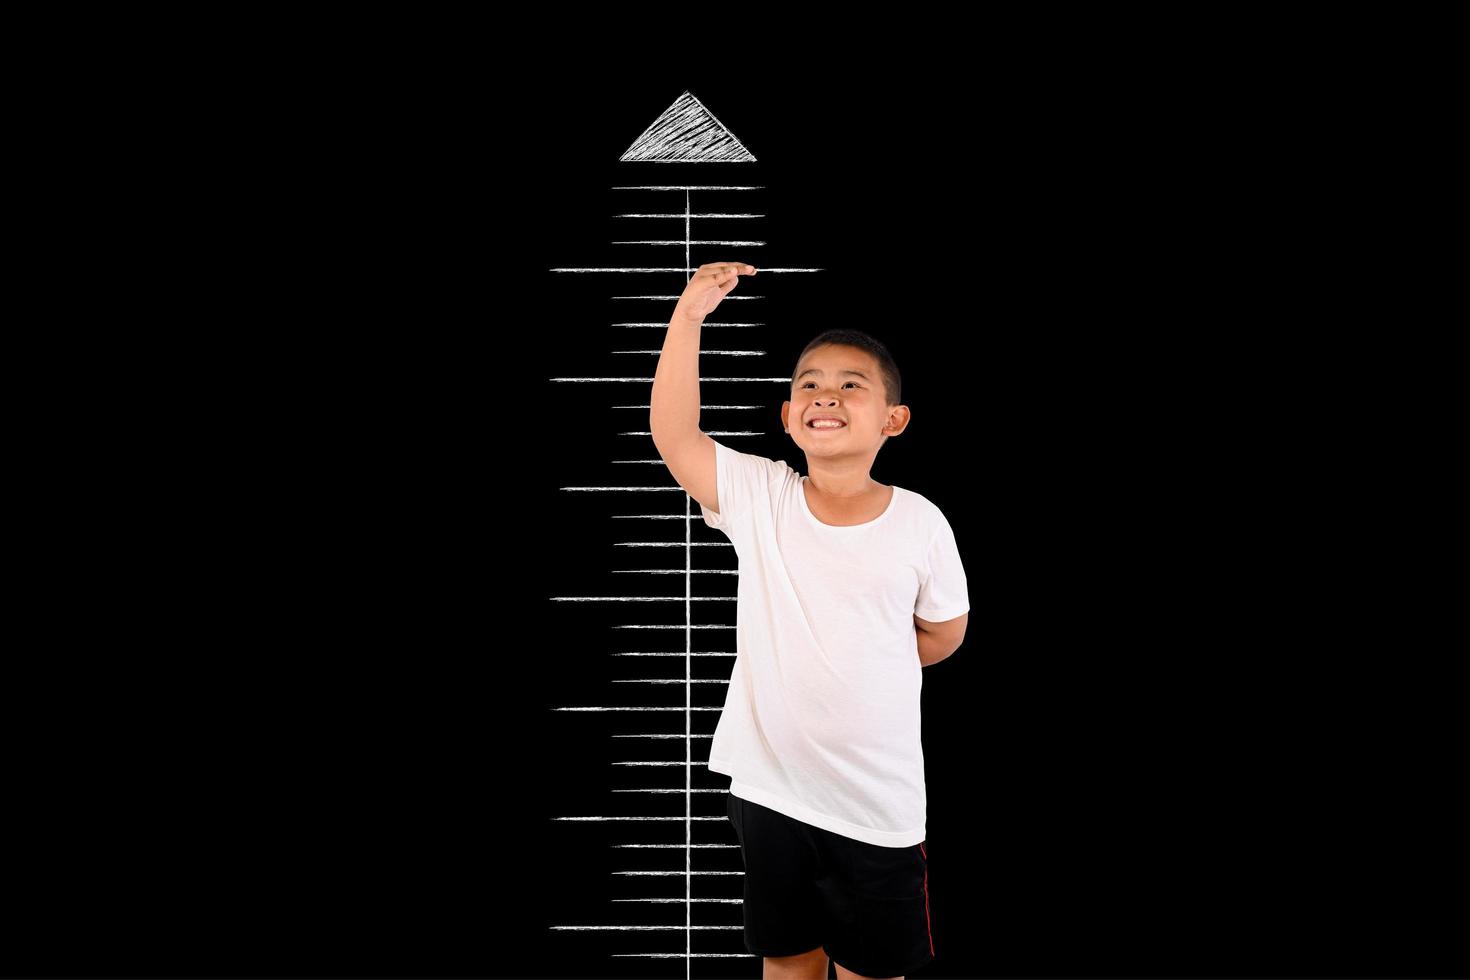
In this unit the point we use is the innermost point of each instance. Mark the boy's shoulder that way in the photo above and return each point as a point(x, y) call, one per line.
point(924, 505)
point(928, 518)
point(754, 460)
point(774, 469)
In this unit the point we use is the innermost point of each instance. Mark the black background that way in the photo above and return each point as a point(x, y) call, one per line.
point(319, 739)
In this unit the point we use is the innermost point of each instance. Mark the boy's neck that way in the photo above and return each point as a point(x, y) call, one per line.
point(840, 487)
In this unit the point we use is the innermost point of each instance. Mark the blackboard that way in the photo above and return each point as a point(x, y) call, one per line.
point(343, 753)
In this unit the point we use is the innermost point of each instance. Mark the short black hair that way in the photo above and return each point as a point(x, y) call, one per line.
point(849, 337)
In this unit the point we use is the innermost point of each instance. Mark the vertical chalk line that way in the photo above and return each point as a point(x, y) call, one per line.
point(688, 688)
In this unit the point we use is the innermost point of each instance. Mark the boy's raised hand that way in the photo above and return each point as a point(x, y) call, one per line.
point(711, 283)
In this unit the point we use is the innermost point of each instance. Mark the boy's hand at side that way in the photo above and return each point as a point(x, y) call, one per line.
point(710, 284)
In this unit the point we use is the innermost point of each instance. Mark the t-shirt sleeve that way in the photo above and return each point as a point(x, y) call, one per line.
point(943, 592)
point(742, 484)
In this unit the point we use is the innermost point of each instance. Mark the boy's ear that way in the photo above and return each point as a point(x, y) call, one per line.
point(903, 415)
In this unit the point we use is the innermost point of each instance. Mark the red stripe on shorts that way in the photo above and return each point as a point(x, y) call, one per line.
point(927, 925)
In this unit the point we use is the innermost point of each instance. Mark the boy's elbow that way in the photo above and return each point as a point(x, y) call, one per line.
point(934, 658)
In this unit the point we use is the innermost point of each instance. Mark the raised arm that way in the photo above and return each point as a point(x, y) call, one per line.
point(673, 415)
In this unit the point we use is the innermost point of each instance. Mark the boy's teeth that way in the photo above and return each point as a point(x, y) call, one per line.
point(826, 424)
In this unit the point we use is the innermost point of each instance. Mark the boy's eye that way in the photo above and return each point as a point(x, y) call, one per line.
point(813, 382)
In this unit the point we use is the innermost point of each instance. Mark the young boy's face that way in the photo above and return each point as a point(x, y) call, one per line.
point(844, 382)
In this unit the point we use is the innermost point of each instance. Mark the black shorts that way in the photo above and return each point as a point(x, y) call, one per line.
point(865, 904)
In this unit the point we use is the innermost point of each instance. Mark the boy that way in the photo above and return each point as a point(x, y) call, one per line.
point(847, 588)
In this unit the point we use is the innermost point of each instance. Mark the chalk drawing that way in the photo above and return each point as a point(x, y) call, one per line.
point(686, 132)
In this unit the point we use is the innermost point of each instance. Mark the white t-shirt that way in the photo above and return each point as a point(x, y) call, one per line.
point(821, 719)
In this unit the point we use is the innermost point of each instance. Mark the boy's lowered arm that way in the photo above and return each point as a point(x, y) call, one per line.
point(938, 640)
point(673, 417)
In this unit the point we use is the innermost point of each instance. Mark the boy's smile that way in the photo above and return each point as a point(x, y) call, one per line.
point(823, 423)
